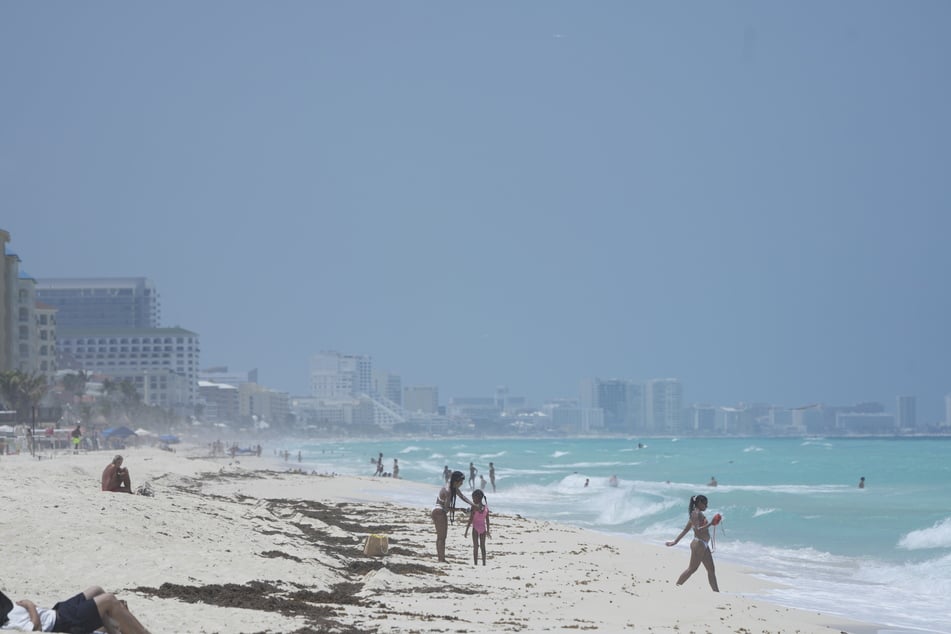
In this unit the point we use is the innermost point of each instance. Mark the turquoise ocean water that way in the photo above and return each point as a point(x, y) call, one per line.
point(792, 508)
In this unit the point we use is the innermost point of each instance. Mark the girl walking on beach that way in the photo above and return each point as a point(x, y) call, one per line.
point(479, 521)
point(445, 508)
point(700, 552)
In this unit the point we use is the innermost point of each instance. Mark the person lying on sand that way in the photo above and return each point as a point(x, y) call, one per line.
point(84, 613)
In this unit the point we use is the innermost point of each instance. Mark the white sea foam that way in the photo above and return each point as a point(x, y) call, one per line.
point(937, 536)
point(789, 512)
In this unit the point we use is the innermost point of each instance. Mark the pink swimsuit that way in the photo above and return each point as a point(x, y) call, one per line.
point(478, 518)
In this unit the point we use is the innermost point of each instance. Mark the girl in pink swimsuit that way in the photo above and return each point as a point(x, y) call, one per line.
point(479, 521)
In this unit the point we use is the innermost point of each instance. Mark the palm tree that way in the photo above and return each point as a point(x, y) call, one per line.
point(22, 391)
point(74, 383)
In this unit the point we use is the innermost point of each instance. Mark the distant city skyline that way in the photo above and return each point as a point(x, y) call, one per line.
point(752, 198)
point(91, 303)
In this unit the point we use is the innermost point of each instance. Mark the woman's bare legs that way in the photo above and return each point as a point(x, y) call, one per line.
point(700, 554)
point(711, 571)
point(442, 529)
point(697, 549)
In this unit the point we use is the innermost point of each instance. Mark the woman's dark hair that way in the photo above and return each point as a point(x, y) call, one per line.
point(695, 500)
point(457, 476)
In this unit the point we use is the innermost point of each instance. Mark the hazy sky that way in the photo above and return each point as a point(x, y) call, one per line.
point(753, 197)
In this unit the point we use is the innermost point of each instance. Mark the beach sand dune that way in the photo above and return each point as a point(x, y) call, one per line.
point(223, 546)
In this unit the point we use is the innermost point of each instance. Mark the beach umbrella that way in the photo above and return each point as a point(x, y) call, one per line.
point(169, 438)
point(118, 432)
point(143, 432)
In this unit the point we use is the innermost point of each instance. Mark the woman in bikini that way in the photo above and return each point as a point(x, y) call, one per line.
point(445, 508)
point(700, 552)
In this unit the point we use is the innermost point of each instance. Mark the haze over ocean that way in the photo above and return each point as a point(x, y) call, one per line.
point(792, 507)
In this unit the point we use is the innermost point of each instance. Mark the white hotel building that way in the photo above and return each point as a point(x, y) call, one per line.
point(162, 363)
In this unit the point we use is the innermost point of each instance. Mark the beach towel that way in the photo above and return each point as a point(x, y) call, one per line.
point(376, 545)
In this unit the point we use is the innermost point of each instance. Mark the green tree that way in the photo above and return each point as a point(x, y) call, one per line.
point(74, 384)
point(22, 391)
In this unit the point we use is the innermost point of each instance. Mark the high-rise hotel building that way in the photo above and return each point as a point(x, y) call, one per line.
point(102, 302)
point(112, 325)
point(162, 363)
point(664, 405)
point(27, 326)
point(340, 377)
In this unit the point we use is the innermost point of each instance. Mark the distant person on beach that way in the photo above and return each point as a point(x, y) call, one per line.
point(612, 481)
point(479, 521)
point(481, 482)
point(862, 482)
point(446, 473)
point(77, 435)
point(587, 481)
point(700, 552)
point(84, 613)
point(396, 468)
point(115, 477)
point(379, 464)
point(445, 509)
point(472, 475)
point(712, 482)
point(492, 476)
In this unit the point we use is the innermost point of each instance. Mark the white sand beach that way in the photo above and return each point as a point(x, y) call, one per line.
point(222, 546)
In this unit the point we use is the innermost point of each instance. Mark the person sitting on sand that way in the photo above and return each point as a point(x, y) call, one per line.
point(91, 609)
point(115, 477)
point(445, 508)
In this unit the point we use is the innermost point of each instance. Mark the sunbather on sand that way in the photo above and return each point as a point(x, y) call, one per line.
point(84, 613)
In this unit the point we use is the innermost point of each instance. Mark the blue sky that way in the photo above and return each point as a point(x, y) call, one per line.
point(752, 197)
